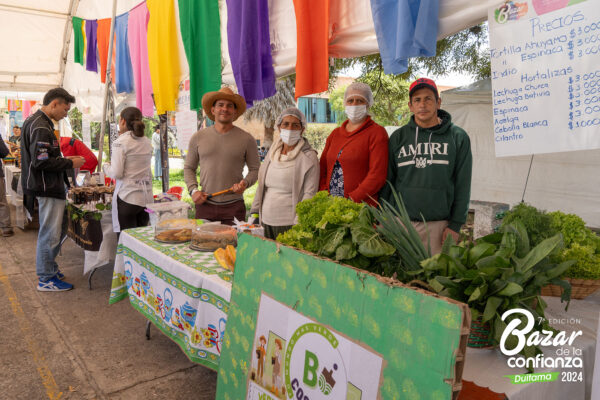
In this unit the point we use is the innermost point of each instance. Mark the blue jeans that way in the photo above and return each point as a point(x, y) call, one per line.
point(157, 165)
point(53, 229)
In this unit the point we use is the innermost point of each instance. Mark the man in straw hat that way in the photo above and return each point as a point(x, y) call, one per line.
point(221, 151)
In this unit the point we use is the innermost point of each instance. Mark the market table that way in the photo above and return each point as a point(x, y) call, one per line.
point(15, 197)
point(94, 234)
point(183, 292)
point(106, 254)
point(186, 295)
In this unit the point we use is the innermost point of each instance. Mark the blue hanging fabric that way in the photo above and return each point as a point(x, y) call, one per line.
point(405, 28)
point(124, 71)
point(250, 48)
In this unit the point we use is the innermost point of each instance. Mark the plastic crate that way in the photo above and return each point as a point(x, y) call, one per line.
point(169, 210)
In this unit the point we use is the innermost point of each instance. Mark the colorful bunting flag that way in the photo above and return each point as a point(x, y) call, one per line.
point(102, 36)
point(312, 27)
point(405, 28)
point(163, 54)
point(91, 27)
point(201, 34)
point(78, 42)
point(124, 72)
point(250, 48)
point(137, 31)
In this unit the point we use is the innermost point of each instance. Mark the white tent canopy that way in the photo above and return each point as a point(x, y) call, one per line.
point(38, 49)
point(568, 181)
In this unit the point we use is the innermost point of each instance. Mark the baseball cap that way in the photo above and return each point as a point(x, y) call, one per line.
point(423, 83)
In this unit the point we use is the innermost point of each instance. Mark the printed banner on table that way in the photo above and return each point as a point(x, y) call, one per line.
point(545, 76)
point(181, 291)
point(294, 354)
point(308, 328)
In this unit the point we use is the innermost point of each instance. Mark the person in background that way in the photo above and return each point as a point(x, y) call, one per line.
point(5, 225)
point(430, 166)
point(130, 167)
point(44, 177)
point(14, 141)
point(156, 149)
point(221, 151)
point(262, 153)
point(289, 174)
point(354, 160)
point(75, 147)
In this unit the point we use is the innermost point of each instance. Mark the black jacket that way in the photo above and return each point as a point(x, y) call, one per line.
point(3, 153)
point(43, 168)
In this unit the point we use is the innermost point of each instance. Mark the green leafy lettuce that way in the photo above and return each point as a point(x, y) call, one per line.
point(340, 229)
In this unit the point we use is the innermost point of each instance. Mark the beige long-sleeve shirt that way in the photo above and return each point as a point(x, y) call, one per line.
point(221, 158)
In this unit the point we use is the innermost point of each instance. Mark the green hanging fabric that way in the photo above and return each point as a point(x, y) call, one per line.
point(78, 41)
point(201, 35)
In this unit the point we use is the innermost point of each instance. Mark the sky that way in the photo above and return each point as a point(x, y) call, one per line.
point(453, 80)
point(446, 80)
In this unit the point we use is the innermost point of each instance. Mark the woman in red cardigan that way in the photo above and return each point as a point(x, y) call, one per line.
point(354, 161)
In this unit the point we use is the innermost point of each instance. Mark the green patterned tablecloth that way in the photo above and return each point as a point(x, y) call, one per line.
point(183, 292)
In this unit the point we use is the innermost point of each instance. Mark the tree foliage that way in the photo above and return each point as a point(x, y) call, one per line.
point(75, 120)
point(267, 110)
point(464, 52)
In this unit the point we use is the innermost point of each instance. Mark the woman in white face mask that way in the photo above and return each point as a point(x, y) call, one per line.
point(354, 161)
point(288, 175)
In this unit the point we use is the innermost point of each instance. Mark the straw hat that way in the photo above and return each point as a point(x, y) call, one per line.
point(209, 99)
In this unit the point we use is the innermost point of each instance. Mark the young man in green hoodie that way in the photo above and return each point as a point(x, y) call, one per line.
point(430, 167)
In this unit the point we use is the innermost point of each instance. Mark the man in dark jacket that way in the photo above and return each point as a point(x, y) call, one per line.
point(43, 177)
point(430, 167)
point(5, 226)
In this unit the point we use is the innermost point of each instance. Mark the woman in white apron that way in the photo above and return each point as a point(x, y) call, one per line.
point(130, 167)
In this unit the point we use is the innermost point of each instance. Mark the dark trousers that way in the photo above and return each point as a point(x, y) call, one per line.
point(223, 213)
point(130, 215)
point(271, 231)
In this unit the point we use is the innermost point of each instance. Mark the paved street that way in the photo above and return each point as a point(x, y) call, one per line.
point(74, 345)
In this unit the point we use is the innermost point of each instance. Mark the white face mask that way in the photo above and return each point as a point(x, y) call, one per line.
point(290, 137)
point(356, 113)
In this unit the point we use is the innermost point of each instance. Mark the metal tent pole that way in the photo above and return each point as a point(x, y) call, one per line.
point(107, 85)
point(164, 151)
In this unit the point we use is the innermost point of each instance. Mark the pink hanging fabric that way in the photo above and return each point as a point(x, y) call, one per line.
point(27, 108)
point(137, 29)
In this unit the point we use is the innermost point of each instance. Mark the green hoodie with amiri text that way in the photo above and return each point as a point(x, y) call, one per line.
point(431, 169)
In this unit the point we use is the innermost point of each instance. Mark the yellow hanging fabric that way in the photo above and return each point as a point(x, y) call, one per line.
point(84, 41)
point(163, 54)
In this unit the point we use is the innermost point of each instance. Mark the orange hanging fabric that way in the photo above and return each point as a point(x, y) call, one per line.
point(312, 69)
point(103, 33)
point(163, 54)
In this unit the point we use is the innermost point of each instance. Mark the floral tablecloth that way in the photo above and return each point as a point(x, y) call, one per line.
point(183, 292)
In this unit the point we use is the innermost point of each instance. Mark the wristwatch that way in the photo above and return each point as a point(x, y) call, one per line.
point(194, 190)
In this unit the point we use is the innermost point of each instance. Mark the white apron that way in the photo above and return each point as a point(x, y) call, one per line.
point(144, 185)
